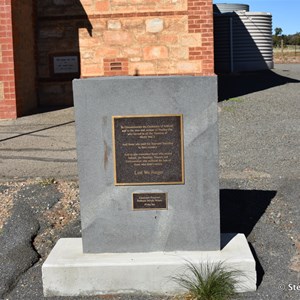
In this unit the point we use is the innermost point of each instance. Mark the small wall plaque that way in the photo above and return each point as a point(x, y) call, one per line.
point(148, 149)
point(149, 201)
point(65, 65)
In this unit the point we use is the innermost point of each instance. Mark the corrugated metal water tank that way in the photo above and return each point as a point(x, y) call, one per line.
point(243, 41)
point(229, 7)
point(222, 43)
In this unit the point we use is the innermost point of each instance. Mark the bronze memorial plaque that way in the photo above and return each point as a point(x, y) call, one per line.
point(149, 201)
point(148, 149)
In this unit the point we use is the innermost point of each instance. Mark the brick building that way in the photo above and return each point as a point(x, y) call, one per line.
point(44, 44)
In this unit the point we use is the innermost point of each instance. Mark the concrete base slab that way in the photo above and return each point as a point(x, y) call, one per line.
point(69, 272)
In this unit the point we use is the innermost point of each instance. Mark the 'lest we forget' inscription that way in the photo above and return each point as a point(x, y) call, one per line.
point(148, 149)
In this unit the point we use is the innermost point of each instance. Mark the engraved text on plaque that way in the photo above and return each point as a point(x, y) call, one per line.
point(148, 149)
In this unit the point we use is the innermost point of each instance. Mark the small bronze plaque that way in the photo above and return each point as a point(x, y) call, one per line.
point(148, 149)
point(146, 201)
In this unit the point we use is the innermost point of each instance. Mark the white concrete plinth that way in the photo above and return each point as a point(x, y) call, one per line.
point(69, 272)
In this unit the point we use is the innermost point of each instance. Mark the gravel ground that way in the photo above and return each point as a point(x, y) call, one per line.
point(259, 175)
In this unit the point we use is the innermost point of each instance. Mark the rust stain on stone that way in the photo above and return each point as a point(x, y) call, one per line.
point(105, 158)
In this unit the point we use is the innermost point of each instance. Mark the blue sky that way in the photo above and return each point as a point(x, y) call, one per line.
point(286, 13)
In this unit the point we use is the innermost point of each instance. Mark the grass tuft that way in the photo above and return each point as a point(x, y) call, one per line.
point(47, 181)
point(209, 281)
point(238, 100)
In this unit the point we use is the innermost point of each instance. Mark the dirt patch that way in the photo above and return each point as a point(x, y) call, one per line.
point(286, 58)
point(8, 190)
point(295, 261)
point(55, 204)
point(56, 219)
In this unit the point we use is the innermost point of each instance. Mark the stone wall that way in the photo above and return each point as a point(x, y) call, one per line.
point(152, 46)
point(55, 37)
point(107, 37)
point(123, 37)
point(156, 37)
point(58, 23)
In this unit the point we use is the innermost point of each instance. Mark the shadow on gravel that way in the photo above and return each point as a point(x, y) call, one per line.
point(239, 84)
point(240, 210)
point(36, 131)
point(259, 269)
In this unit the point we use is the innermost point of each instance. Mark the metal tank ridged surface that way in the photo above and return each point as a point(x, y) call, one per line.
point(222, 43)
point(252, 43)
point(229, 7)
point(243, 41)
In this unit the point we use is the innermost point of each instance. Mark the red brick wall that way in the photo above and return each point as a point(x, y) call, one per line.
point(201, 21)
point(8, 108)
point(17, 59)
point(115, 66)
point(24, 55)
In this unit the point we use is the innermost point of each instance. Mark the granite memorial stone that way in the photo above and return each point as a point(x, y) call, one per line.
point(149, 194)
point(152, 136)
